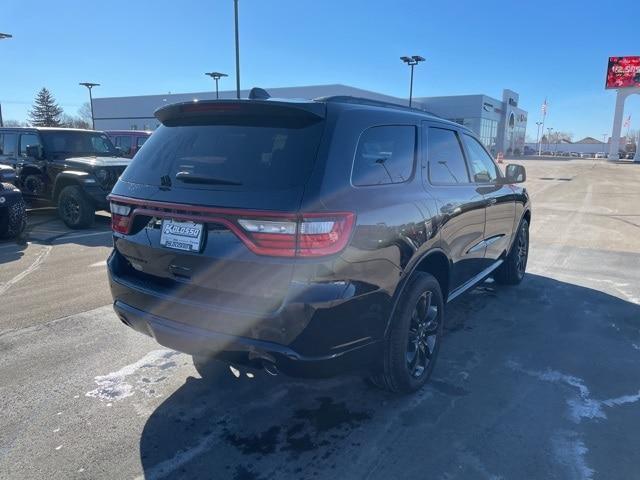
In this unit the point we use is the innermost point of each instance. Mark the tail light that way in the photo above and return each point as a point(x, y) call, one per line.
point(306, 235)
point(120, 218)
point(264, 233)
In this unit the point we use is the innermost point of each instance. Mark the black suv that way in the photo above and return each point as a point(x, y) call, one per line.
point(310, 237)
point(75, 169)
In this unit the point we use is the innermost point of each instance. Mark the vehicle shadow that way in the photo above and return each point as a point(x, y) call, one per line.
point(478, 414)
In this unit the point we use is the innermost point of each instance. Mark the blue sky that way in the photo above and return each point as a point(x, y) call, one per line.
point(557, 49)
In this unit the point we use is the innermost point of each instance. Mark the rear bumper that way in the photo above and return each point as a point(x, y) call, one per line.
point(326, 330)
point(198, 341)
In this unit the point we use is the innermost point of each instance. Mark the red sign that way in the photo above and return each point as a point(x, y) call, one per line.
point(623, 72)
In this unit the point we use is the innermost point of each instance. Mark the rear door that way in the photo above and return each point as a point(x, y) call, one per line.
point(461, 205)
point(499, 199)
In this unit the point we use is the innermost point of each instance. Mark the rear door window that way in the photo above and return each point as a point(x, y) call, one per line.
point(8, 144)
point(124, 142)
point(445, 157)
point(385, 155)
point(239, 156)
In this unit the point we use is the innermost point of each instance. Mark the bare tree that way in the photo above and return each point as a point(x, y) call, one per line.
point(15, 123)
point(84, 112)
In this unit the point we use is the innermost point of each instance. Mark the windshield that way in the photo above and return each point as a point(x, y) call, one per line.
point(232, 155)
point(77, 143)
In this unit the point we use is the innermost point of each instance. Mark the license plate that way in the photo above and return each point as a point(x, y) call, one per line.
point(181, 235)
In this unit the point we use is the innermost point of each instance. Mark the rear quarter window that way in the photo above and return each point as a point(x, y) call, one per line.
point(385, 155)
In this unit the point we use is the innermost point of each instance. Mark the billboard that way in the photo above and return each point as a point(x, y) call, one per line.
point(623, 72)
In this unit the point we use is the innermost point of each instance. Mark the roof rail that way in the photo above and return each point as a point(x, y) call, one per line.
point(369, 101)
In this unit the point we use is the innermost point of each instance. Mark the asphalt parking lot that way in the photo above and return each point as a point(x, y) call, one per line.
point(536, 381)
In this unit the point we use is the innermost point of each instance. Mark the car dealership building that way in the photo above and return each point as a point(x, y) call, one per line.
point(500, 124)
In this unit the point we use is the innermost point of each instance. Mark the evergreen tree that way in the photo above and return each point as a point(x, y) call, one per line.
point(45, 112)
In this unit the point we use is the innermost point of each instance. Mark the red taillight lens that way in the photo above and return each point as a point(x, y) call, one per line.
point(324, 234)
point(310, 235)
point(120, 219)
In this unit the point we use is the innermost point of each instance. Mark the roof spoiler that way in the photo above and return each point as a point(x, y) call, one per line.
point(257, 112)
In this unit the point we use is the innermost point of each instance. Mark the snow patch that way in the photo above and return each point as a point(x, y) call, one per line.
point(571, 451)
point(116, 386)
point(581, 406)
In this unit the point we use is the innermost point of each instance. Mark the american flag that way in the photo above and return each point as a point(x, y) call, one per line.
point(544, 107)
point(627, 122)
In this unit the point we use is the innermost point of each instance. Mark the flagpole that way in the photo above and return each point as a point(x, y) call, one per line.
point(544, 115)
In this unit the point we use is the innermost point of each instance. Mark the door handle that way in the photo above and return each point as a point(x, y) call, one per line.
point(492, 201)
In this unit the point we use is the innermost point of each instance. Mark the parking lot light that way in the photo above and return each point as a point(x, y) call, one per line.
point(216, 76)
point(412, 62)
point(90, 85)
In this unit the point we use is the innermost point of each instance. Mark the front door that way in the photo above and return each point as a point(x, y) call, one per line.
point(499, 199)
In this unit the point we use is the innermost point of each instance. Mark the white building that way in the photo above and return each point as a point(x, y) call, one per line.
point(500, 124)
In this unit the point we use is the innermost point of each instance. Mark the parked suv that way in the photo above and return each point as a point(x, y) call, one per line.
point(128, 141)
point(310, 237)
point(75, 169)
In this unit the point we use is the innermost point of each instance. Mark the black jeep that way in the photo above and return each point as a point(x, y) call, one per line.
point(75, 169)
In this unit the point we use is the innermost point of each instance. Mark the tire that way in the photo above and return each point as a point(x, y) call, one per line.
point(16, 220)
point(74, 208)
point(33, 184)
point(512, 270)
point(413, 342)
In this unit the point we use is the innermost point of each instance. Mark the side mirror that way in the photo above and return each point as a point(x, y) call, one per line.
point(119, 151)
point(34, 151)
point(515, 173)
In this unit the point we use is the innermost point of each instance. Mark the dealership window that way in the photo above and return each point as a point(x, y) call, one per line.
point(483, 170)
point(488, 133)
point(446, 162)
point(7, 143)
point(384, 155)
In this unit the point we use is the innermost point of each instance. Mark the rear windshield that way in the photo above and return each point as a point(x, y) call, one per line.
point(227, 156)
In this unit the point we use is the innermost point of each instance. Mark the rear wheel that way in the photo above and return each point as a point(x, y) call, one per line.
point(75, 209)
point(512, 270)
point(412, 345)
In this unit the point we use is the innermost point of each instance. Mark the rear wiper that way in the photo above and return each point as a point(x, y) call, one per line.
point(187, 177)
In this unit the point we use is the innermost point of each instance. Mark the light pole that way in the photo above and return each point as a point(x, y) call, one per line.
point(412, 62)
point(2, 37)
point(235, 10)
point(538, 137)
point(216, 76)
point(549, 130)
point(90, 85)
